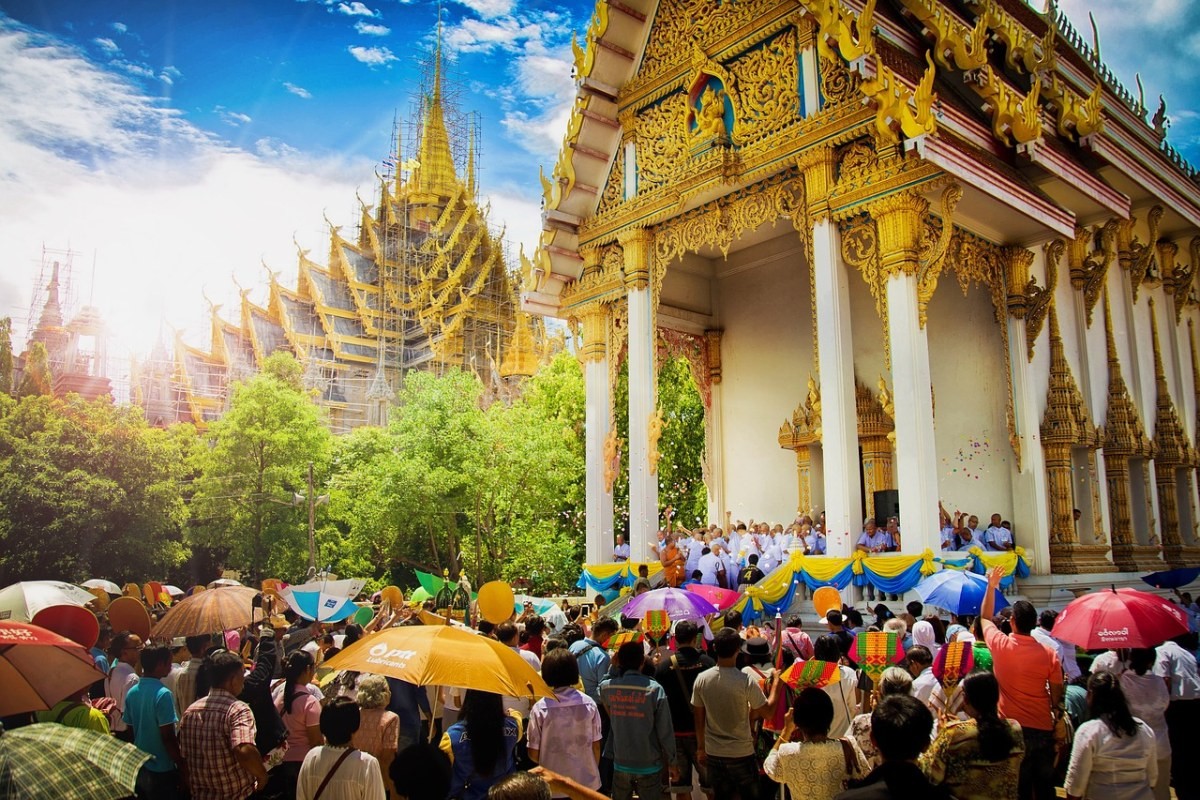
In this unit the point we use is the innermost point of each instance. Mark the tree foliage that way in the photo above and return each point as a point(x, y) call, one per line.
point(36, 379)
point(254, 462)
point(6, 356)
point(88, 489)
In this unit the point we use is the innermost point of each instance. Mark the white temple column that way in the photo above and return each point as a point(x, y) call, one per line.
point(715, 438)
point(898, 221)
point(638, 246)
point(841, 485)
point(839, 420)
point(597, 427)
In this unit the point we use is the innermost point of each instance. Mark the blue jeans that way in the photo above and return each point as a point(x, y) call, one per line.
point(648, 787)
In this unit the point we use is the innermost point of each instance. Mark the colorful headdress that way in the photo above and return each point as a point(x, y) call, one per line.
point(875, 651)
point(657, 624)
point(954, 660)
point(814, 673)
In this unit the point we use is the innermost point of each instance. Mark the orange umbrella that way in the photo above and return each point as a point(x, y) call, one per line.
point(442, 655)
point(223, 609)
point(38, 668)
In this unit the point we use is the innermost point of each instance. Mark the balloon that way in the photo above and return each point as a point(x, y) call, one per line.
point(363, 616)
point(825, 599)
point(496, 601)
point(74, 622)
point(392, 595)
point(129, 614)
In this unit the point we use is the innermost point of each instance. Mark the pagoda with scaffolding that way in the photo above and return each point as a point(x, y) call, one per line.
point(425, 284)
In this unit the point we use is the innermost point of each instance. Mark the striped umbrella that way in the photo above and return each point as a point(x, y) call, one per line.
point(49, 761)
point(223, 609)
point(324, 601)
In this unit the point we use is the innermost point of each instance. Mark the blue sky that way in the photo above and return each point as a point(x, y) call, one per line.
point(179, 147)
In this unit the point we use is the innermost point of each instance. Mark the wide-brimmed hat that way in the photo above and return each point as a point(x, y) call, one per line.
point(757, 646)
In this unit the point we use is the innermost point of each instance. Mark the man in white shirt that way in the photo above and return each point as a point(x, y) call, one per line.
point(814, 543)
point(708, 564)
point(1178, 666)
point(621, 551)
point(508, 635)
point(920, 666)
point(1064, 650)
point(872, 539)
point(126, 649)
point(997, 537)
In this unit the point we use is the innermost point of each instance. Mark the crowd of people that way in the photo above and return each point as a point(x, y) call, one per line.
point(634, 714)
point(742, 553)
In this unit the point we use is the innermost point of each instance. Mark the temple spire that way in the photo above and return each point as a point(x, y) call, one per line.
point(436, 174)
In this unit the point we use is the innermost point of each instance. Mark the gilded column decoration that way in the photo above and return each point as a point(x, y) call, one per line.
point(800, 435)
point(612, 459)
point(1065, 426)
point(637, 245)
point(1124, 438)
point(1135, 256)
point(713, 351)
point(654, 429)
point(1180, 281)
point(817, 167)
point(1172, 453)
point(860, 250)
point(1090, 254)
point(1026, 298)
point(591, 261)
point(594, 319)
point(876, 434)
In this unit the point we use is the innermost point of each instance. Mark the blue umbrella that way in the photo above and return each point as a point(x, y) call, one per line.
point(324, 601)
point(1172, 578)
point(957, 591)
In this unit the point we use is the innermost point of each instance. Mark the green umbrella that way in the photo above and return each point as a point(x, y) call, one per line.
point(419, 595)
point(49, 760)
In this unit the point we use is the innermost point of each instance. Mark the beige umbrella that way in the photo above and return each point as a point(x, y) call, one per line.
point(223, 609)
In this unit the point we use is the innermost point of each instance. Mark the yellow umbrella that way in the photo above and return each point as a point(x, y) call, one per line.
point(223, 609)
point(442, 655)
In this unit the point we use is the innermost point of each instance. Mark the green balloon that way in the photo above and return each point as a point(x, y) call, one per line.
point(363, 615)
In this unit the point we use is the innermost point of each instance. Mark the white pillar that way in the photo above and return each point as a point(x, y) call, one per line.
point(898, 221)
point(597, 425)
point(643, 483)
point(839, 419)
point(715, 455)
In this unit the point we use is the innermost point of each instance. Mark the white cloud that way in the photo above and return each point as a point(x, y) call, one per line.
point(299, 91)
point(367, 29)
point(233, 118)
point(168, 210)
point(107, 45)
point(488, 8)
point(169, 75)
point(372, 56)
point(356, 9)
point(477, 36)
point(120, 27)
point(140, 70)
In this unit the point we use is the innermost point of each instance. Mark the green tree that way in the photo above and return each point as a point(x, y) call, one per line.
point(36, 379)
point(6, 356)
point(88, 489)
point(256, 460)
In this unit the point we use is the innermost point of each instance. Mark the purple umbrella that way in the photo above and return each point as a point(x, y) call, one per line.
point(678, 604)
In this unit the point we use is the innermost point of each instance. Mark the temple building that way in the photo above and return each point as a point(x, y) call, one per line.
point(915, 251)
point(424, 284)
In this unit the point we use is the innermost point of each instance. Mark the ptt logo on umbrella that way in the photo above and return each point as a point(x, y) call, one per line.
point(331, 603)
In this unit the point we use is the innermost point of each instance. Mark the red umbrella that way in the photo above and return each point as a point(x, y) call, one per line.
point(721, 598)
point(38, 668)
point(1119, 618)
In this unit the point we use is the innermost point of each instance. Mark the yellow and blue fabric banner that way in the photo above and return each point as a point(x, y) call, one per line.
point(893, 574)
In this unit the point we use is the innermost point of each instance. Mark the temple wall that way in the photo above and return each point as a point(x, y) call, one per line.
point(762, 302)
point(975, 461)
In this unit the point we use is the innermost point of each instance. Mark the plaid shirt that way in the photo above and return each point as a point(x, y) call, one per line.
point(208, 733)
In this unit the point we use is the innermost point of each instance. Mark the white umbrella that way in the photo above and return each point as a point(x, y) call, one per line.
point(21, 601)
point(99, 583)
point(174, 591)
point(224, 582)
point(324, 601)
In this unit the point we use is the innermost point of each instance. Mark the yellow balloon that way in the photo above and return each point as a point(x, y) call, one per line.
point(496, 602)
point(826, 599)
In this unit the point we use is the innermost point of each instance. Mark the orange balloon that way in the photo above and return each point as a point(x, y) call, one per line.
point(825, 599)
point(496, 602)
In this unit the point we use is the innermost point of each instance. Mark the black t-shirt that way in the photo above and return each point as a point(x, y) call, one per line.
point(750, 575)
point(679, 697)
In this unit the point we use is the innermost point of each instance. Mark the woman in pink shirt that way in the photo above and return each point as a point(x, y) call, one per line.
point(301, 712)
